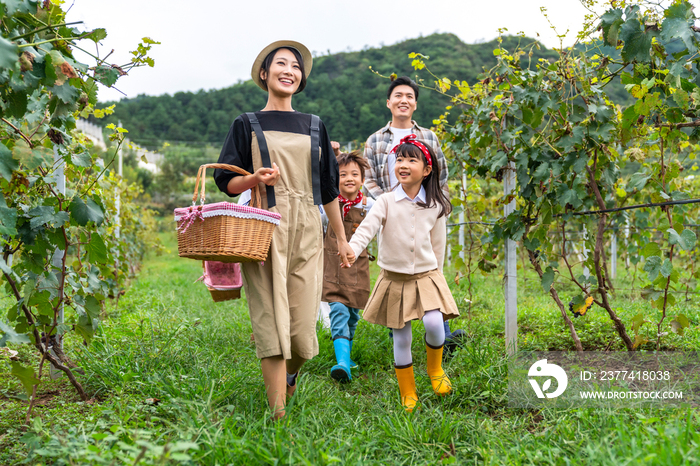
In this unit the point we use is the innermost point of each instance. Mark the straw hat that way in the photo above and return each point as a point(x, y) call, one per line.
point(257, 64)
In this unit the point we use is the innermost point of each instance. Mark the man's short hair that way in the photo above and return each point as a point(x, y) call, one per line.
point(356, 156)
point(402, 81)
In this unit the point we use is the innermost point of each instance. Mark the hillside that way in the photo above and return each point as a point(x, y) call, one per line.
point(342, 90)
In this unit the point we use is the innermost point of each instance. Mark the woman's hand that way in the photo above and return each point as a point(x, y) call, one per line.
point(347, 255)
point(269, 176)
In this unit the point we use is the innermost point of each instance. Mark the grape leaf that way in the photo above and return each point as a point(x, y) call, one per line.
point(677, 26)
point(547, 279)
point(84, 212)
point(97, 35)
point(11, 336)
point(637, 40)
point(685, 240)
point(652, 267)
point(666, 268)
point(97, 251)
point(8, 219)
point(611, 22)
point(25, 375)
point(7, 163)
point(9, 54)
point(651, 249)
point(42, 215)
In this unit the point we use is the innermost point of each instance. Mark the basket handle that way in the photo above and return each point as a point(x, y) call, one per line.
point(255, 192)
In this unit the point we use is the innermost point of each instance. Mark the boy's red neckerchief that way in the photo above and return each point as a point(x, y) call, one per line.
point(347, 204)
point(411, 139)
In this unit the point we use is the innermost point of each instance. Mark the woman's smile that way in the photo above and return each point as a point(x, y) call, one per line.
point(287, 81)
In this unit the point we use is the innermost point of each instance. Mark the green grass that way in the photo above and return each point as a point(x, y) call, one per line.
point(175, 380)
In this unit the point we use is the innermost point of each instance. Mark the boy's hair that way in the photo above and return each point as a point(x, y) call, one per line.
point(271, 56)
point(356, 156)
point(402, 81)
point(433, 194)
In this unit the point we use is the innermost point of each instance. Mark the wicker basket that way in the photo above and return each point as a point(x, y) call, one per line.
point(224, 231)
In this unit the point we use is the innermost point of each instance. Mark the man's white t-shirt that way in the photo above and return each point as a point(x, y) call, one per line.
point(245, 197)
point(396, 135)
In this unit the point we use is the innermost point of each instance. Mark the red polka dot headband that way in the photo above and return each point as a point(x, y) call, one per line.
point(411, 139)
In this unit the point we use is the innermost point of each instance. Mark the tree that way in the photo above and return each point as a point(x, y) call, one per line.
point(581, 160)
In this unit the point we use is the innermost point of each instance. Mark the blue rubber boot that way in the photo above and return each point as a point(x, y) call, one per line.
point(353, 364)
point(341, 371)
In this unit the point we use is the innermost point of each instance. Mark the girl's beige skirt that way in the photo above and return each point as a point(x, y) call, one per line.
point(398, 298)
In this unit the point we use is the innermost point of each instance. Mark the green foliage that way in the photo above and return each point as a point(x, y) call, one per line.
point(547, 279)
point(10, 336)
point(105, 443)
point(58, 252)
point(685, 240)
point(25, 375)
point(636, 37)
point(86, 211)
point(574, 149)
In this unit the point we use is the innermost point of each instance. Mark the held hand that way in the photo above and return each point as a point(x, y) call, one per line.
point(269, 176)
point(347, 255)
point(336, 148)
point(350, 261)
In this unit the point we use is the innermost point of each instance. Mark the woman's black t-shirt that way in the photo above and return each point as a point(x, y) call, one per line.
point(237, 148)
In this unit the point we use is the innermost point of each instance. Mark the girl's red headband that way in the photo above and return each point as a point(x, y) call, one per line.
point(411, 139)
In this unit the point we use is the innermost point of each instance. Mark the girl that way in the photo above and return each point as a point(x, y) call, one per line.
point(291, 160)
point(411, 222)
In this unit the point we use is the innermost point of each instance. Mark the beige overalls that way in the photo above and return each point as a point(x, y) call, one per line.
point(284, 293)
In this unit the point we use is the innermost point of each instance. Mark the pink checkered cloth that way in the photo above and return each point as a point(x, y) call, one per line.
point(189, 214)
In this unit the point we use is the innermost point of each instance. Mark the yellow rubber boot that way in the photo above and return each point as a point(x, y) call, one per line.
point(407, 386)
point(441, 383)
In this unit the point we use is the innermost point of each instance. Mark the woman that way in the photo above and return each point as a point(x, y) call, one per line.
point(276, 146)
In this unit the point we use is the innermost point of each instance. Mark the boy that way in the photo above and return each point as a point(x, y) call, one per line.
point(346, 289)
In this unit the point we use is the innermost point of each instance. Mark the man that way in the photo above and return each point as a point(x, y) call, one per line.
point(402, 101)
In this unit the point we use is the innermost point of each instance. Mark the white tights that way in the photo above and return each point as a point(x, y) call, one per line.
point(434, 335)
